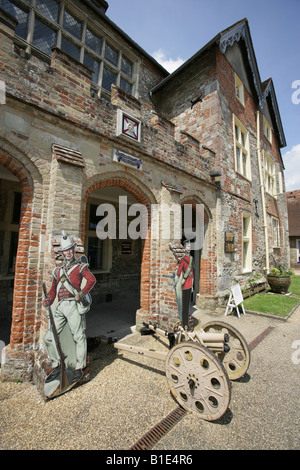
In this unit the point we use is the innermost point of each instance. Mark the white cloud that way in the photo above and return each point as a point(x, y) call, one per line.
point(168, 63)
point(291, 161)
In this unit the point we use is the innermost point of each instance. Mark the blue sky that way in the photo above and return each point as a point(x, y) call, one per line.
point(173, 30)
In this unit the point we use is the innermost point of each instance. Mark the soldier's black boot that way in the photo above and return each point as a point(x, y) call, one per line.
point(78, 374)
point(53, 374)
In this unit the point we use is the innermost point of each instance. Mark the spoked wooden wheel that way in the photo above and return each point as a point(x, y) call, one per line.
point(198, 380)
point(237, 360)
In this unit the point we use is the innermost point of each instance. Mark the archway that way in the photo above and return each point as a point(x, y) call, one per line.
point(196, 224)
point(15, 215)
point(120, 263)
point(10, 212)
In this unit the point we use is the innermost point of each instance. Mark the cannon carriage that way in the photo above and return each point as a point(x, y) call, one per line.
point(199, 365)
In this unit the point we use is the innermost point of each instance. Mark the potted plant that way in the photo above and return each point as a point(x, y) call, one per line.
point(279, 279)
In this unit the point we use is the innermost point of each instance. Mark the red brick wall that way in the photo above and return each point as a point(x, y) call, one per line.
point(24, 326)
point(142, 199)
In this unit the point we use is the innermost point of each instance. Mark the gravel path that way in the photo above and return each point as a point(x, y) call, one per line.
point(128, 394)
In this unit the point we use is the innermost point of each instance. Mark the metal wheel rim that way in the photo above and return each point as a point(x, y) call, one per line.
point(210, 396)
point(237, 360)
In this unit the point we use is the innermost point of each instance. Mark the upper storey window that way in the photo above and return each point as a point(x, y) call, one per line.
point(267, 130)
point(241, 146)
point(46, 23)
point(239, 89)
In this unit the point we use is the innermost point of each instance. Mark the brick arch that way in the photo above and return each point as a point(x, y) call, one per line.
point(207, 263)
point(21, 283)
point(143, 196)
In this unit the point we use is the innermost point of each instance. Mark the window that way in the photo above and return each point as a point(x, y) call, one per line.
point(246, 243)
point(19, 14)
point(280, 182)
point(43, 37)
point(269, 174)
point(239, 90)
point(49, 8)
point(298, 251)
point(95, 252)
point(241, 144)
point(267, 130)
point(46, 23)
point(99, 252)
point(275, 232)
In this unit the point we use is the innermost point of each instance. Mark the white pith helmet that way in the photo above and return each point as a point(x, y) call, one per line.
point(66, 242)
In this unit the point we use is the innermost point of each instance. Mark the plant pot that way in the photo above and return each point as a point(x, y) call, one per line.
point(279, 283)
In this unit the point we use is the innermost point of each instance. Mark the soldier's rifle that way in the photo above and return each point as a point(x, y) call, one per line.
point(64, 379)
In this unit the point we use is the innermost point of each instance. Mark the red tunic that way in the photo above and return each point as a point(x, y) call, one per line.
point(183, 265)
point(76, 276)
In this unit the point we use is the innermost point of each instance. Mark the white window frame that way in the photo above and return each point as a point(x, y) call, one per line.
point(298, 250)
point(239, 89)
point(275, 232)
point(267, 130)
point(270, 174)
point(246, 241)
point(241, 149)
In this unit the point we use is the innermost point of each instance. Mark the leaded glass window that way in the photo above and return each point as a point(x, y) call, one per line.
point(50, 8)
point(19, 14)
point(43, 37)
point(72, 25)
point(108, 79)
point(75, 36)
point(70, 48)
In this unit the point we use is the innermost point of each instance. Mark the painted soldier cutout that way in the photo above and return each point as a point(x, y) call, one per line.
point(184, 284)
point(65, 339)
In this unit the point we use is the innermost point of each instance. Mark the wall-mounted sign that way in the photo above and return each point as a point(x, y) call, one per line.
point(127, 159)
point(126, 248)
point(128, 126)
point(229, 242)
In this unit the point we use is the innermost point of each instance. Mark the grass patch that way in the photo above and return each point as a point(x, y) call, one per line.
point(275, 304)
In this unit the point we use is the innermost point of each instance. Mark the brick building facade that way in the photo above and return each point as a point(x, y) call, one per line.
point(89, 117)
point(293, 206)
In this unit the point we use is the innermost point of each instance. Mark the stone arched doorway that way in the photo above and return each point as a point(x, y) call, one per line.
point(196, 224)
point(17, 271)
point(120, 263)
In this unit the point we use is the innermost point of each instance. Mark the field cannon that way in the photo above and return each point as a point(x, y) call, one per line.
point(199, 364)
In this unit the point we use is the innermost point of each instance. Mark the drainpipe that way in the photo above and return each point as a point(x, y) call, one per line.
point(262, 192)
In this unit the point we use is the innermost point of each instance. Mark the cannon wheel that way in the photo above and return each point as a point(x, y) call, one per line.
point(198, 380)
point(237, 360)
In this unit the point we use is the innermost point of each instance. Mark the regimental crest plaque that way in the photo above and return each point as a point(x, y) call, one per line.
point(128, 126)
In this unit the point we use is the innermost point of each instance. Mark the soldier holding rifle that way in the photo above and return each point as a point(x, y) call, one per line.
point(73, 303)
